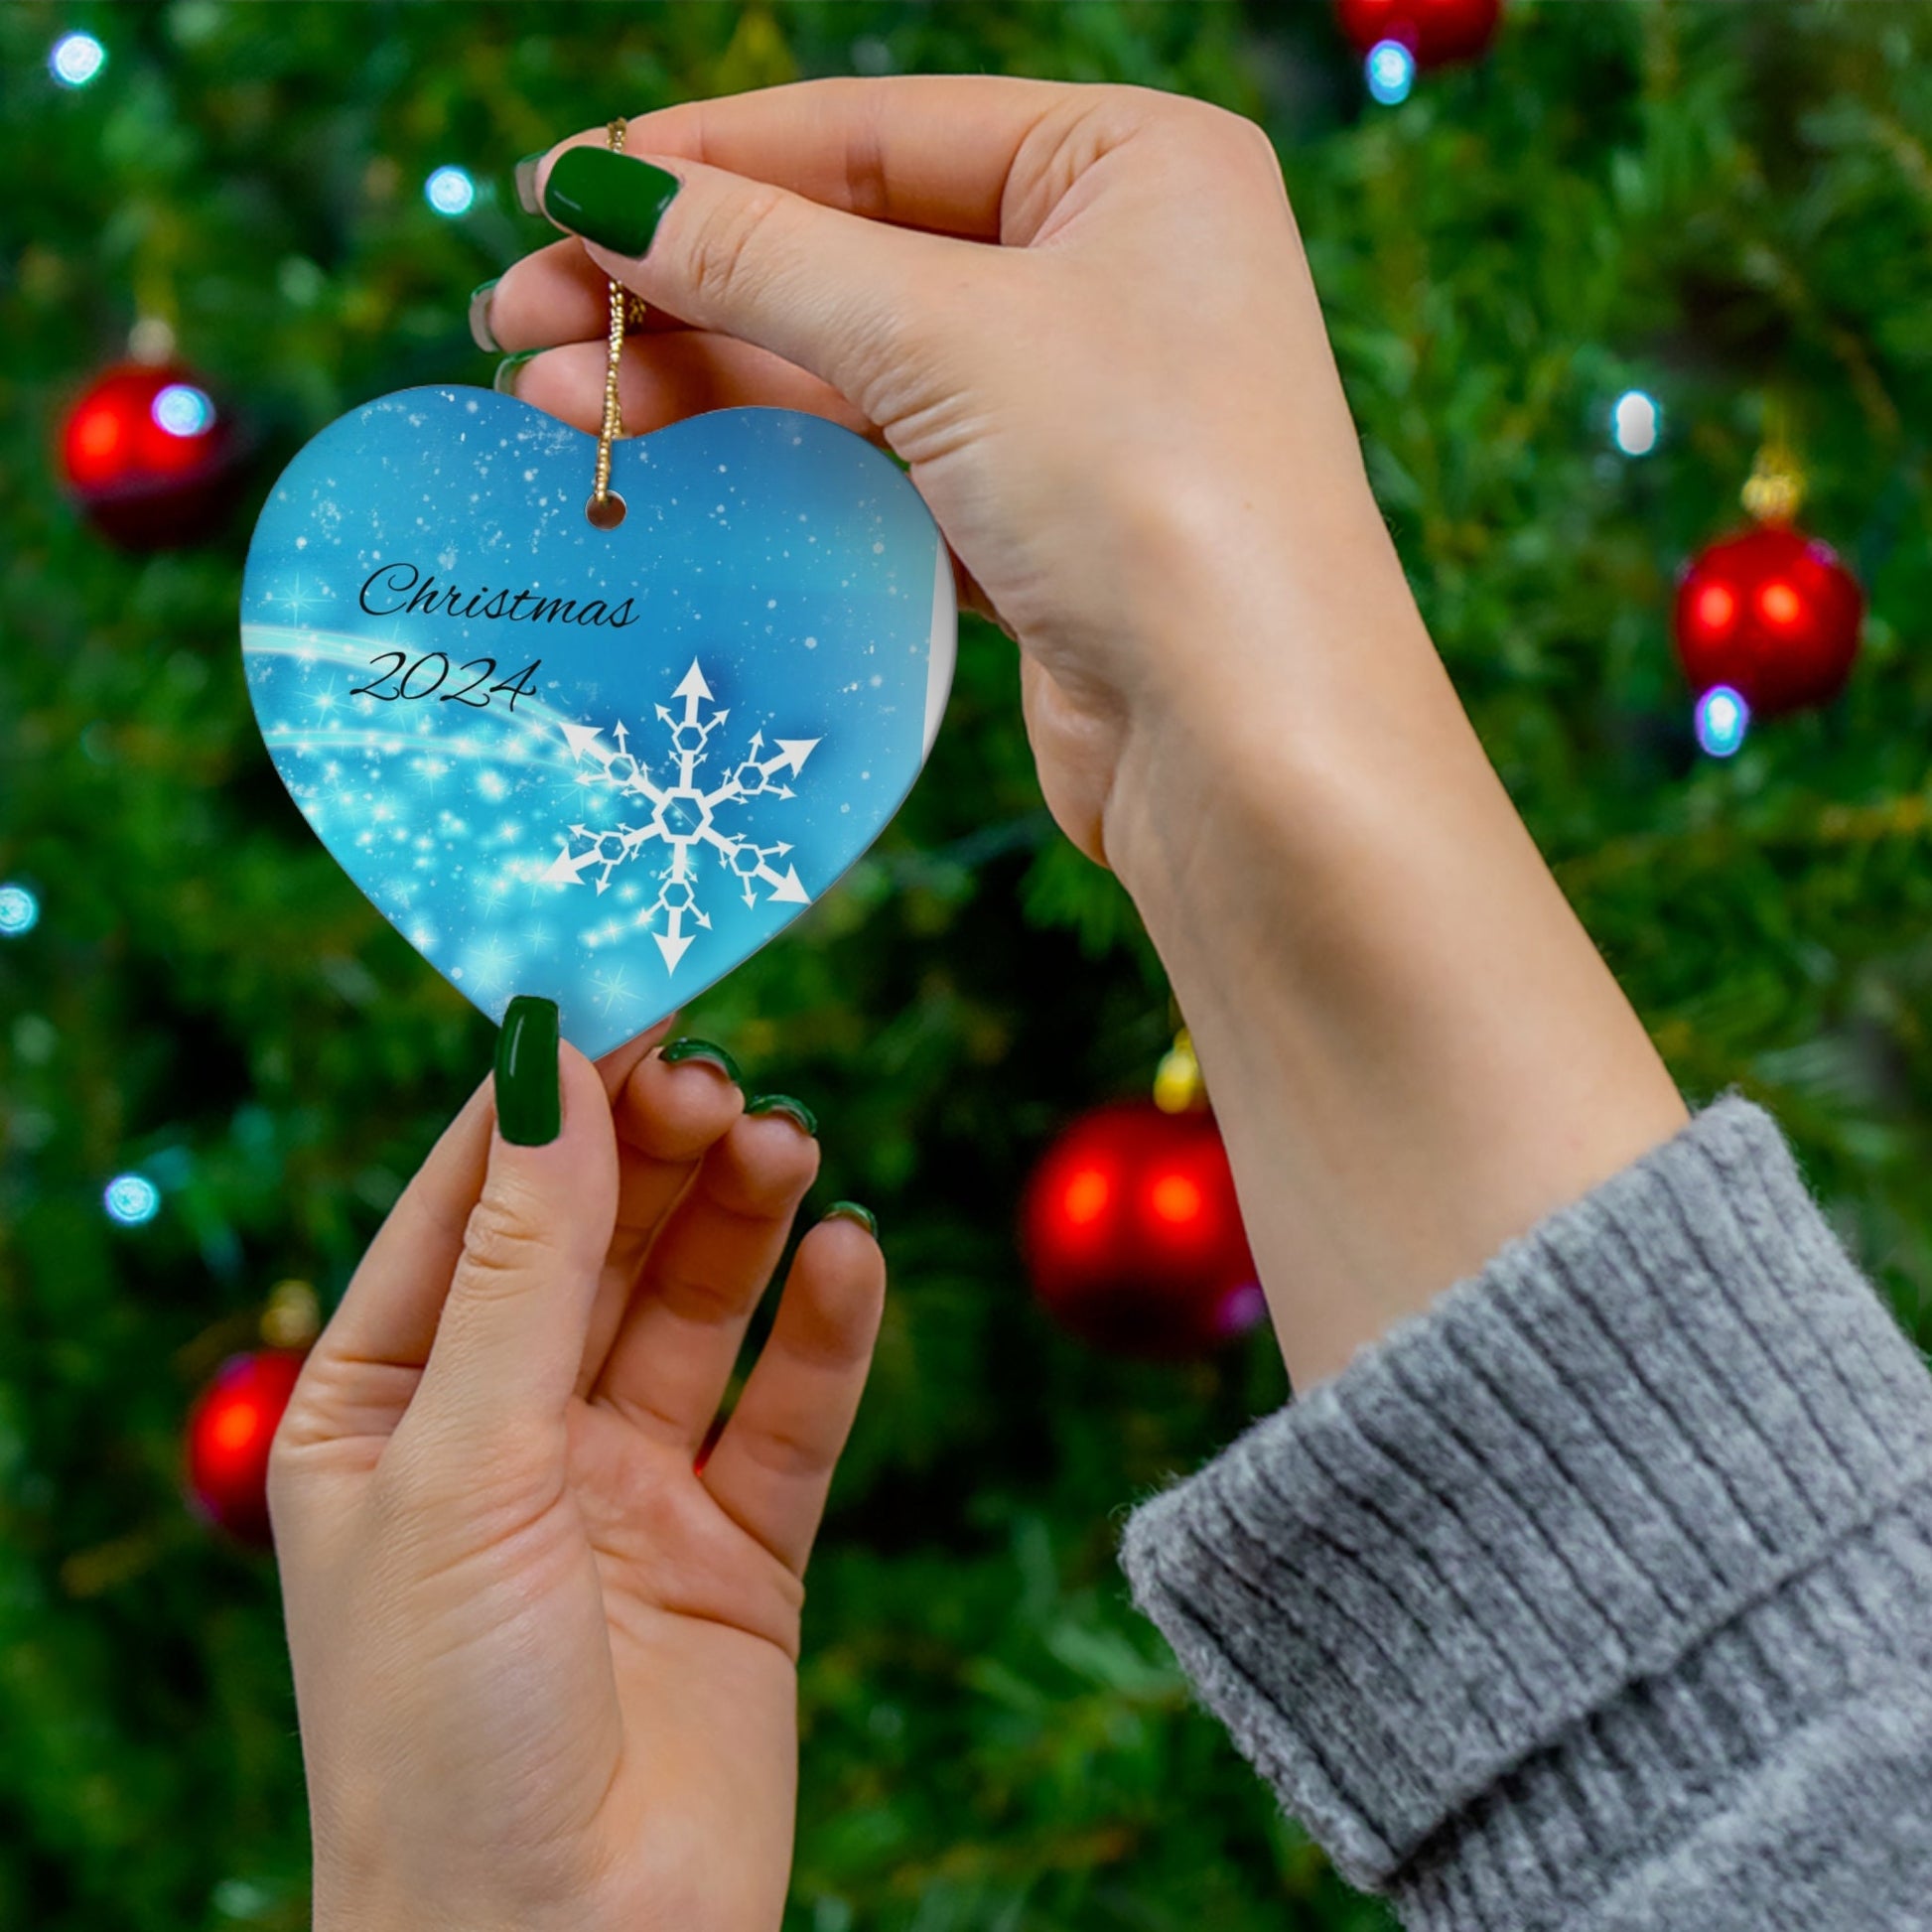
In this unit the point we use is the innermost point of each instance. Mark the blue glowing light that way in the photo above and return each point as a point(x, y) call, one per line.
point(20, 911)
point(131, 1200)
point(75, 59)
point(450, 191)
point(183, 410)
point(1723, 718)
point(1636, 422)
point(1391, 72)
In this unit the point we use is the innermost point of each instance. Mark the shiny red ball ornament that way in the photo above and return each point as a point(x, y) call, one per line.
point(1772, 614)
point(1436, 32)
point(1133, 1237)
point(230, 1431)
point(149, 457)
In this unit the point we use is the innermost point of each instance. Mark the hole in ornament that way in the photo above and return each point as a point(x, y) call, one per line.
point(606, 515)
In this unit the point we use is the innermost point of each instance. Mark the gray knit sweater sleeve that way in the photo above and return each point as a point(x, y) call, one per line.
point(1600, 1595)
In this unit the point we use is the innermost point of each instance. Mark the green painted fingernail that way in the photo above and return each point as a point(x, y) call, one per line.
point(608, 199)
point(480, 330)
point(508, 369)
point(525, 177)
point(702, 1049)
point(850, 1210)
point(782, 1103)
point(529, 1097)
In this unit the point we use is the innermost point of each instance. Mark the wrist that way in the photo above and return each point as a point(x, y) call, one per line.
point(1412, 1047)
point(1275, 704)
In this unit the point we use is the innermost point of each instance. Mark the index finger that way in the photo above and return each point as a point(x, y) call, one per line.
point(920, 151)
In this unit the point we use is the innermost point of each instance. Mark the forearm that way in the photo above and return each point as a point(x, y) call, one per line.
point(1412, 1047)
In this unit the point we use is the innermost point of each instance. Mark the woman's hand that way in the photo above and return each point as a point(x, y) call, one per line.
point(545, 1669)
point(1083, 318)
point(1107, 412)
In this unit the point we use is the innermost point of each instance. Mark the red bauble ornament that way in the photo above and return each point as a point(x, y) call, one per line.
point(1772, 614)
point(1133, 1237)
point(149, 457)
point(230, 1431)
point(1436, 32)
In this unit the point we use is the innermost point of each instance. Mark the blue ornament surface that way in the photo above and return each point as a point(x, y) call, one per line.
point(600, 766)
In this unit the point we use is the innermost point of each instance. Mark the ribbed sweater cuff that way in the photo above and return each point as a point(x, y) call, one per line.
point(1551, 1533)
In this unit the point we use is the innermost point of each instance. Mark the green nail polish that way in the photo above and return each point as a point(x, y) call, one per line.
point(508, 369)
point(530, 1100)
point(480, 330)
point(793, 1110)
point(702, 1049)
point(608, 199)
point(850, 1210)
point(525, 177)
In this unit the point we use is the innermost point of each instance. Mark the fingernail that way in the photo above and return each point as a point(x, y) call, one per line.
point(508, 369)
point(680, 1050)
point(794, 1111)
point(479, 331)
point(850, 1210)
point(529, 1099)
point(525, 177)
point(608, 199)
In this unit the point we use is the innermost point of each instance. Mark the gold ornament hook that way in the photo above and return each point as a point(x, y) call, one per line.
point(293, 1317)
point(1774, 492)
point(1178, 1087)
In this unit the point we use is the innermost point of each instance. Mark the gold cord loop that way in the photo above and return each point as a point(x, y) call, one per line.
point(623, 307)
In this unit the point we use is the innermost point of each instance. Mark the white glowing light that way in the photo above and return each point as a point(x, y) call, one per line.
point(1636, 422)
point(20, 911)
point(1391, 72)
point(183, 410)
point(131, 1200)
point(449, 192)
point(75, 59)
point(1723, 718)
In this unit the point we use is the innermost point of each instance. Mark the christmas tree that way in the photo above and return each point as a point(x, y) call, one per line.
point(1720, 213)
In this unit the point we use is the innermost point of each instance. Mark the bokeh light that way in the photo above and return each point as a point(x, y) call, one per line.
point(75, 59)
point(1391, 72)
point(131, 1200)
point(1088, 1191)
point(1723, 719)
point(449, 192)
point(20, 911)
point(1636, 422)
point(183, 410)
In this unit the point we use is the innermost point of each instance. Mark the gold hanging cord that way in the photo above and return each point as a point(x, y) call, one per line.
point(623, 307)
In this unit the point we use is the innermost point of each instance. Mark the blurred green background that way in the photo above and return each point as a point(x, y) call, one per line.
point(1726, 205)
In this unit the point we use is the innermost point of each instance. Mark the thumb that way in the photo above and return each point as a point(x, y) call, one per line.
point(842, 297)
point(510, 1338)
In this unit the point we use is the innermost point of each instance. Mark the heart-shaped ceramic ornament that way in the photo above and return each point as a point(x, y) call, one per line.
point(604, 765)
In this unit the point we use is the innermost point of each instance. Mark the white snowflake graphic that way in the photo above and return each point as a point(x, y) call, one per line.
point(679, 816)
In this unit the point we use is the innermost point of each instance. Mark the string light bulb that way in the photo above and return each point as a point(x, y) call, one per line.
point(20, 911)
point(451, 192)
point(131, 1200)
point(75, 59)
point(1636, 423)
point(1390, 71)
